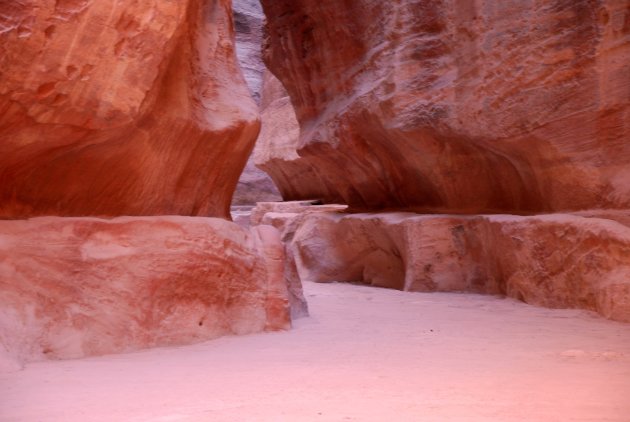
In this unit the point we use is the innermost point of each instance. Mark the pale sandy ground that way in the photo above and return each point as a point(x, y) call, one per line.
point(366, 354)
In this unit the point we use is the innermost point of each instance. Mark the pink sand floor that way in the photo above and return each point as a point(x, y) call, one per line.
point(365, 354)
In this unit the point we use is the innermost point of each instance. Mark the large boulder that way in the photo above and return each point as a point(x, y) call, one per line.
point(557, 261)
point(121, 107)
point(451, 105)
point(74, 287)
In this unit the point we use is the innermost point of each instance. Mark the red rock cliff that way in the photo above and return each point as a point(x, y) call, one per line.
point(458, 105)
point(114, 107)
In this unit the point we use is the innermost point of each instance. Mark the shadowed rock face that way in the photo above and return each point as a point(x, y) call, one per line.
point(557, 261)
point(466, 106)
point(248, 27)
point(275, 151)
point(74, 287)
point(116, 107)
point(254, 184)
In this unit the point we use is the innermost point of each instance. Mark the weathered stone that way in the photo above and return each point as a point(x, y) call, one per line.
point(297, 301)
point(254, 184)
point(262, 210)
point(74, 287)
point(248, 28)
point(275, 151)
point(454, 105)
point(241, 214)
point(120, 107)
point(557, 261)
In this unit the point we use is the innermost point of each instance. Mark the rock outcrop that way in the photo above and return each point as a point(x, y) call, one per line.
point(557, 261)
point(74, 287)
point(119, 107)
point(458, 106)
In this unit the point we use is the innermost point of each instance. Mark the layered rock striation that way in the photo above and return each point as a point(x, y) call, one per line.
point(121, 108)
point(458, 106)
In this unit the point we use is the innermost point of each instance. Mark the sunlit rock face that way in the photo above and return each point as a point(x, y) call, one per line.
point(451, 105)
point(74, 287)
point(120, 107)
point(557, 261)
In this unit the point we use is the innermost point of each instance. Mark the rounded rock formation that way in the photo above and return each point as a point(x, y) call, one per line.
point(116, 107)
point(457, 106)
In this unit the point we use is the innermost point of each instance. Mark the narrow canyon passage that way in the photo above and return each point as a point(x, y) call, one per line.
point(365, 354)
point(423, 145)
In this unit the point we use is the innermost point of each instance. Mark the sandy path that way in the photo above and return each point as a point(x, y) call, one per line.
point(366, 354)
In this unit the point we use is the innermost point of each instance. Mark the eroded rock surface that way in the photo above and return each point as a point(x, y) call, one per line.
point(472, 106)
point(120, 107)
point(254, 184)
point(74, 287)
point(276, 148)
point(557, 261)
point(263, 211)
point(248, 28)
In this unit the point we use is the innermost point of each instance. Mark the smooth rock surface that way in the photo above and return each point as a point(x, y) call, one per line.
point(275, 150)
point(121, 107)
point(75, 287)
point(557, 261)
point(456, 106)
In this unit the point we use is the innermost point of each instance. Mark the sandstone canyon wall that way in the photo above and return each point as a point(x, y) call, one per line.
point(254, 184)
point(459, 110)
point(460, 106)
point(132, 108)
point(275, 151)
point(120, 108)
point(248, 28)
